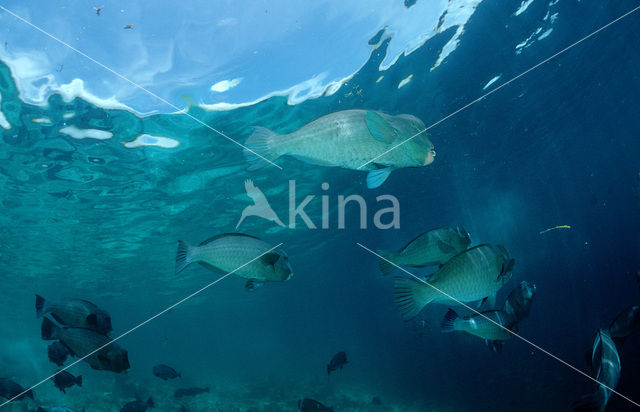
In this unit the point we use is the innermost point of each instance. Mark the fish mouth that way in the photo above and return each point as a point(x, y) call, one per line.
point(430, 157)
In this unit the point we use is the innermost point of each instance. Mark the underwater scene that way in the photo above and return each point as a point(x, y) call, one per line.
point(385, 205)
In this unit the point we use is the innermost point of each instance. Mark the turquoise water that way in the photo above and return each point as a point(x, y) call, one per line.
point(96, 219)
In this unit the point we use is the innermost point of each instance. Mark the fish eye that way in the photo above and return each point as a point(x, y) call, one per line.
point(432, 152)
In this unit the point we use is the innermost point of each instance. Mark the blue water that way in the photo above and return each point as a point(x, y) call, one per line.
point(96, 220)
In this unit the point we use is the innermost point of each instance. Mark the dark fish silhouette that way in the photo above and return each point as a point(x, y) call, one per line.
point(625, 323)
point(605, 368)
point(165, 372)
point(518, 303)
point(55, 409)
point(312, 405)
point(58, 353)
point(9, 389)
point(137, 406)
point(76, 313)
point(81, 342)
point(65, 380)
point(338, 361)
point(181, 393)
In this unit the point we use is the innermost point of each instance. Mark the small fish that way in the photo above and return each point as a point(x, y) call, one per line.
point(349, 139)
point(9, 390)
point(76, 313)
point(165, 372)
point(231, 251)
point(555, 228)
point(625, 323)
point(181, 393)
point(605, 368)
point(475, 274)
point(137, 406)
point(434, 247)
point(55, 409)
point(65, 380)
point(58, 353)
point(478, 325)
point(308, 405)
point(518, 303)
point(128, 26)
point(98, 9)
point(338, 361)
point(84, 341)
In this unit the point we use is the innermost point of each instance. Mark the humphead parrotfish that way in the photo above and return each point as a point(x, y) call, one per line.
point(365, 140)
point(475, 274)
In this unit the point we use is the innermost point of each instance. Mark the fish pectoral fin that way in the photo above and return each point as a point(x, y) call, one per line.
point(481, 302)
point(377, 177)
point(270, 258)
point(379, 128)
point(252, 284)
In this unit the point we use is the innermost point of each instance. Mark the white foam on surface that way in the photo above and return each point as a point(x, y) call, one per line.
point(41, 120)
point(86, 133)
point(458, 13)
point(541, 32)
point(405, 81)
point(225, 85)
point(523, 7)
point(149, 140)
point(492, 81)
point(4, 123)
point(308, 89)
point(545, 34)
point(147, 57)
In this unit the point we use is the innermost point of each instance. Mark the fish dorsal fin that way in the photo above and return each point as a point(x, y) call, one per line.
point(270, 258)
point(379, 128)
point(404, 248)
point(216, 237)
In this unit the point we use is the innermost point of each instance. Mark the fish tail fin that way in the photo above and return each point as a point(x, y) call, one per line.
point(184, 256)
point(49, 330)
point(259, 149)
point(384, 263)
point(150, 403)
point(79, 381)
point(449, 321)
point(411, 296)
point(588, 403)
point(40, 306)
